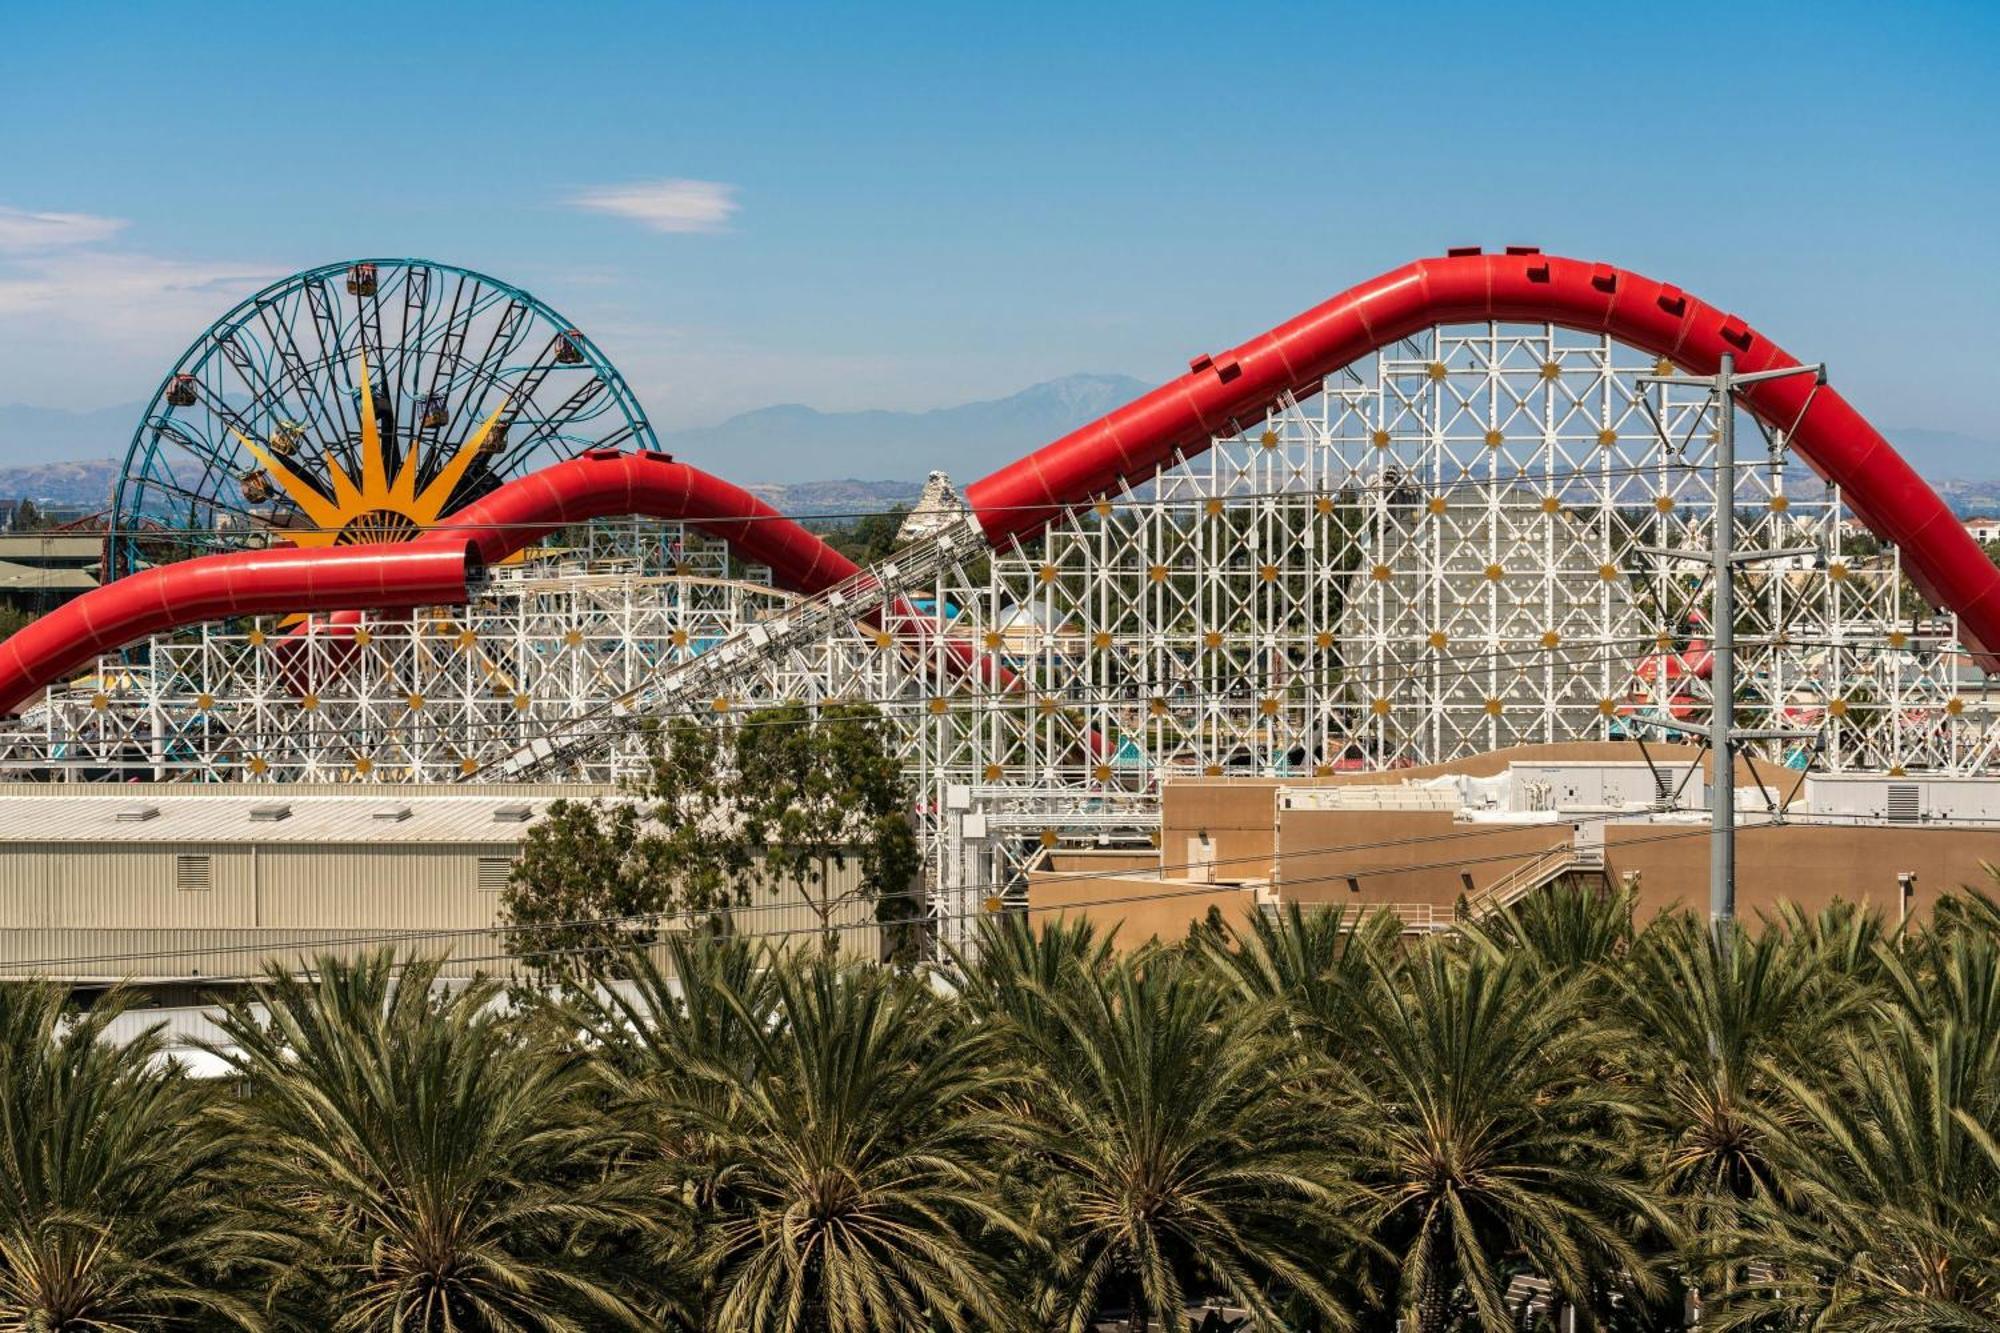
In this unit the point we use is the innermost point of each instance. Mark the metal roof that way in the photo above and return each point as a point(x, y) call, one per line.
point(33, 546)
point(14, 575)
point(272, 814)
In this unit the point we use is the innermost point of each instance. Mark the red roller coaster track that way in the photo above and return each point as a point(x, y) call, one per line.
point(1218, 396)
point(215, 587)
point(1231, 389)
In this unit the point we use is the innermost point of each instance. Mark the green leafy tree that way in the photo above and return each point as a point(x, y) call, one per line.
point(819, 788)
point(107, 1216)
point(597, 876)
point(407, 1161)
point(781, 799)
point(869, 537)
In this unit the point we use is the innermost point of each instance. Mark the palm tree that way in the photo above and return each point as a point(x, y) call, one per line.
point(1709, 1014)
point(107, 1217)
point(847, 1132)
point(1009, 977)
point(1891, 1218)
point(1171, 1135)
point(1844, 942)
point(409, 1163)
point(1567, 928)
point(1481, 1127)
point(1306, 963)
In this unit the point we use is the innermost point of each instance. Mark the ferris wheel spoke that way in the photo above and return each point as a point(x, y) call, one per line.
point(264, 395)
point(295, 378)
point(450, 348)
point(334, 359)
point(331, 427)
point(414, 339)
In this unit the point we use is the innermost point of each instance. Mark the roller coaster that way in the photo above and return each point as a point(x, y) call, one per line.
point(391, 520)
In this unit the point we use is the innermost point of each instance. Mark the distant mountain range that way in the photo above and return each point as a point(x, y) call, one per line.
point(792, 443)
point(806, 461)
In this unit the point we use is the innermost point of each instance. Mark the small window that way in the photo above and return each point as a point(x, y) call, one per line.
point(194, 873)
point(494, 872)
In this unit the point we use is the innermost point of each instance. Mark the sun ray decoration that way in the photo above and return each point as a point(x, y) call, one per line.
point(379, 509)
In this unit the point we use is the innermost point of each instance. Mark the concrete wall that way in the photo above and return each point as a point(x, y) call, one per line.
point(1424, 860)
point(1237, 815)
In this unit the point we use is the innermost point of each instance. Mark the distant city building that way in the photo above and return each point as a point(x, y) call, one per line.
point(1983, 529)
point(17, 515)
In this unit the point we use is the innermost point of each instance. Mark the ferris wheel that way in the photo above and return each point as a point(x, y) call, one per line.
point(359, 402)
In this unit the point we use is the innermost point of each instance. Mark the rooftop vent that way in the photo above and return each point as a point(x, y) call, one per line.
point(395, 814)
point(512, 814)
point(137, 814)
point(269, 814)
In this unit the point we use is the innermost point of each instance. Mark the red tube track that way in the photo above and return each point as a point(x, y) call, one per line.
point(604, 482)
point(215, 587)
point(1220, 395)
point(1231, 390)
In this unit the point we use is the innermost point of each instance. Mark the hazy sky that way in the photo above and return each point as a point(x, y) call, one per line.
point(905, 206)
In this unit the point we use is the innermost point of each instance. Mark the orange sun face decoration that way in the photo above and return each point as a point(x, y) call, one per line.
point(377, 508)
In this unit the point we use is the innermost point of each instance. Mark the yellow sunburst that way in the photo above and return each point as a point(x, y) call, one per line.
point(379, 508)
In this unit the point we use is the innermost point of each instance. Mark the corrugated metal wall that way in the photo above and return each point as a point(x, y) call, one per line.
point(117, 910)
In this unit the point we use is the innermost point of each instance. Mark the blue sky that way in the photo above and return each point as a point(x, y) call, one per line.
point(907, 206)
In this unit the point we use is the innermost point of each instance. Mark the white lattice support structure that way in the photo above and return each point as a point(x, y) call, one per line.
point(1465, 542)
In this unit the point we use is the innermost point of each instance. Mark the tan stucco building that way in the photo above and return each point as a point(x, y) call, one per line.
point(1430, 844)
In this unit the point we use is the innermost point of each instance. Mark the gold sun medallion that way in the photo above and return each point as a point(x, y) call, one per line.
point(378, 508)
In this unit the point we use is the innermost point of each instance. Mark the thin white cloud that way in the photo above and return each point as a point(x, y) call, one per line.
point(84, 321)
point(672, 205)
point(24, 232)
point(126, 296)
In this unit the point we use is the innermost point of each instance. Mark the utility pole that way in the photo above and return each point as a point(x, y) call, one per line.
point(1722, 659)
point(1722, 733)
